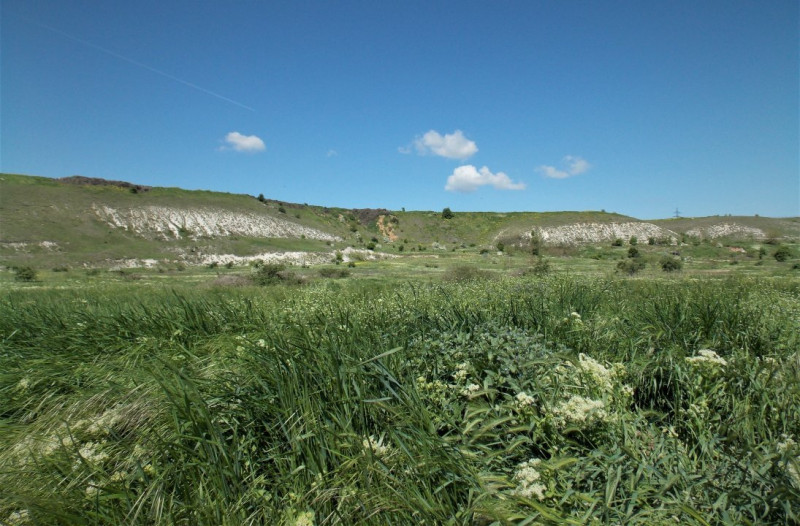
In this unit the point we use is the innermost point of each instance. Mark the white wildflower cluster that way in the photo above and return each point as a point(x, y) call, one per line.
point(788, 447)
point(523, 399)
point(573, 318)
point(305, 518)
point(50, 445)
point(462, 370)
point(706, 357)
point(578, 410)
point(93, 453)
point(377, 446)
point(528, 479)
point(601, 376)
point(18, 518)
point(92, 490)
point(23, 384)
point(471, 389)
point(606, 380)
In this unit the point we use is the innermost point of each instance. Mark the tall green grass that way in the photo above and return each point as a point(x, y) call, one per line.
point(539, 401)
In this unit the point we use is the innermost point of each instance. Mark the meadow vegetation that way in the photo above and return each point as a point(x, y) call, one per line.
point(469, 397)
point(432, 368)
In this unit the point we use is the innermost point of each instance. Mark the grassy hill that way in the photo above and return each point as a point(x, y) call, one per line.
point(94, 222)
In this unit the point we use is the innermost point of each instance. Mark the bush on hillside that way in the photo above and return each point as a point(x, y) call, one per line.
point(268, 274)
point(670, 264)
point(541, 267)
point(782, 254)
point(25, 274)
point(630, 266)
point(334, 273)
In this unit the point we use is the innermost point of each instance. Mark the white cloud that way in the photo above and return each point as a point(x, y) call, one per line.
point(468, 179)
point(572, 166)
point(243, 143)
point(450, 145)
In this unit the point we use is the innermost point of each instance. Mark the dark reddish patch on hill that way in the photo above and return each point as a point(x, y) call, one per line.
point(97, 181)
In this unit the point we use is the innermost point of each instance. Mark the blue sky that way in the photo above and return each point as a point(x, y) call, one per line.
point(632, 107)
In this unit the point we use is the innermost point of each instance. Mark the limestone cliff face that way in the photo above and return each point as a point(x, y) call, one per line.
point(588, 233)
point(726, 230)
point(165, 222)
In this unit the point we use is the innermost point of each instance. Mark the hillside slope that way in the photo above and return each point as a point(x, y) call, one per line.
point(96, 222)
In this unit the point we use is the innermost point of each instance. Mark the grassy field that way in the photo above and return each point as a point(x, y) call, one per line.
point(405, 391)
point(435, 380)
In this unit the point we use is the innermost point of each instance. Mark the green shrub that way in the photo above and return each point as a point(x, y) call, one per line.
point(500, 247)
point(541, 267)
point(670, 264)
point(447, 214)
point(633, 252)
point(616, 243)
point(630, 266)
point(25, 274)
point(335, 273)
point(288, 277)
point(782, 254)
point(371, 246)
point(633, 241)
point(61, 268)
point(268, 274)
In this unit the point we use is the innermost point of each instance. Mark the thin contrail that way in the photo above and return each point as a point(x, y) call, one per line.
point(141, 65)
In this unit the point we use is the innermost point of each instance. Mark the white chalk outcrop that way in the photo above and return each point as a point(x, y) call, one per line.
point(587, 233)
point(726, 230)
point(177, 223)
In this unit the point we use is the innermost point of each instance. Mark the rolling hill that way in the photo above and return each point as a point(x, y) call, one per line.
point(95, 222)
